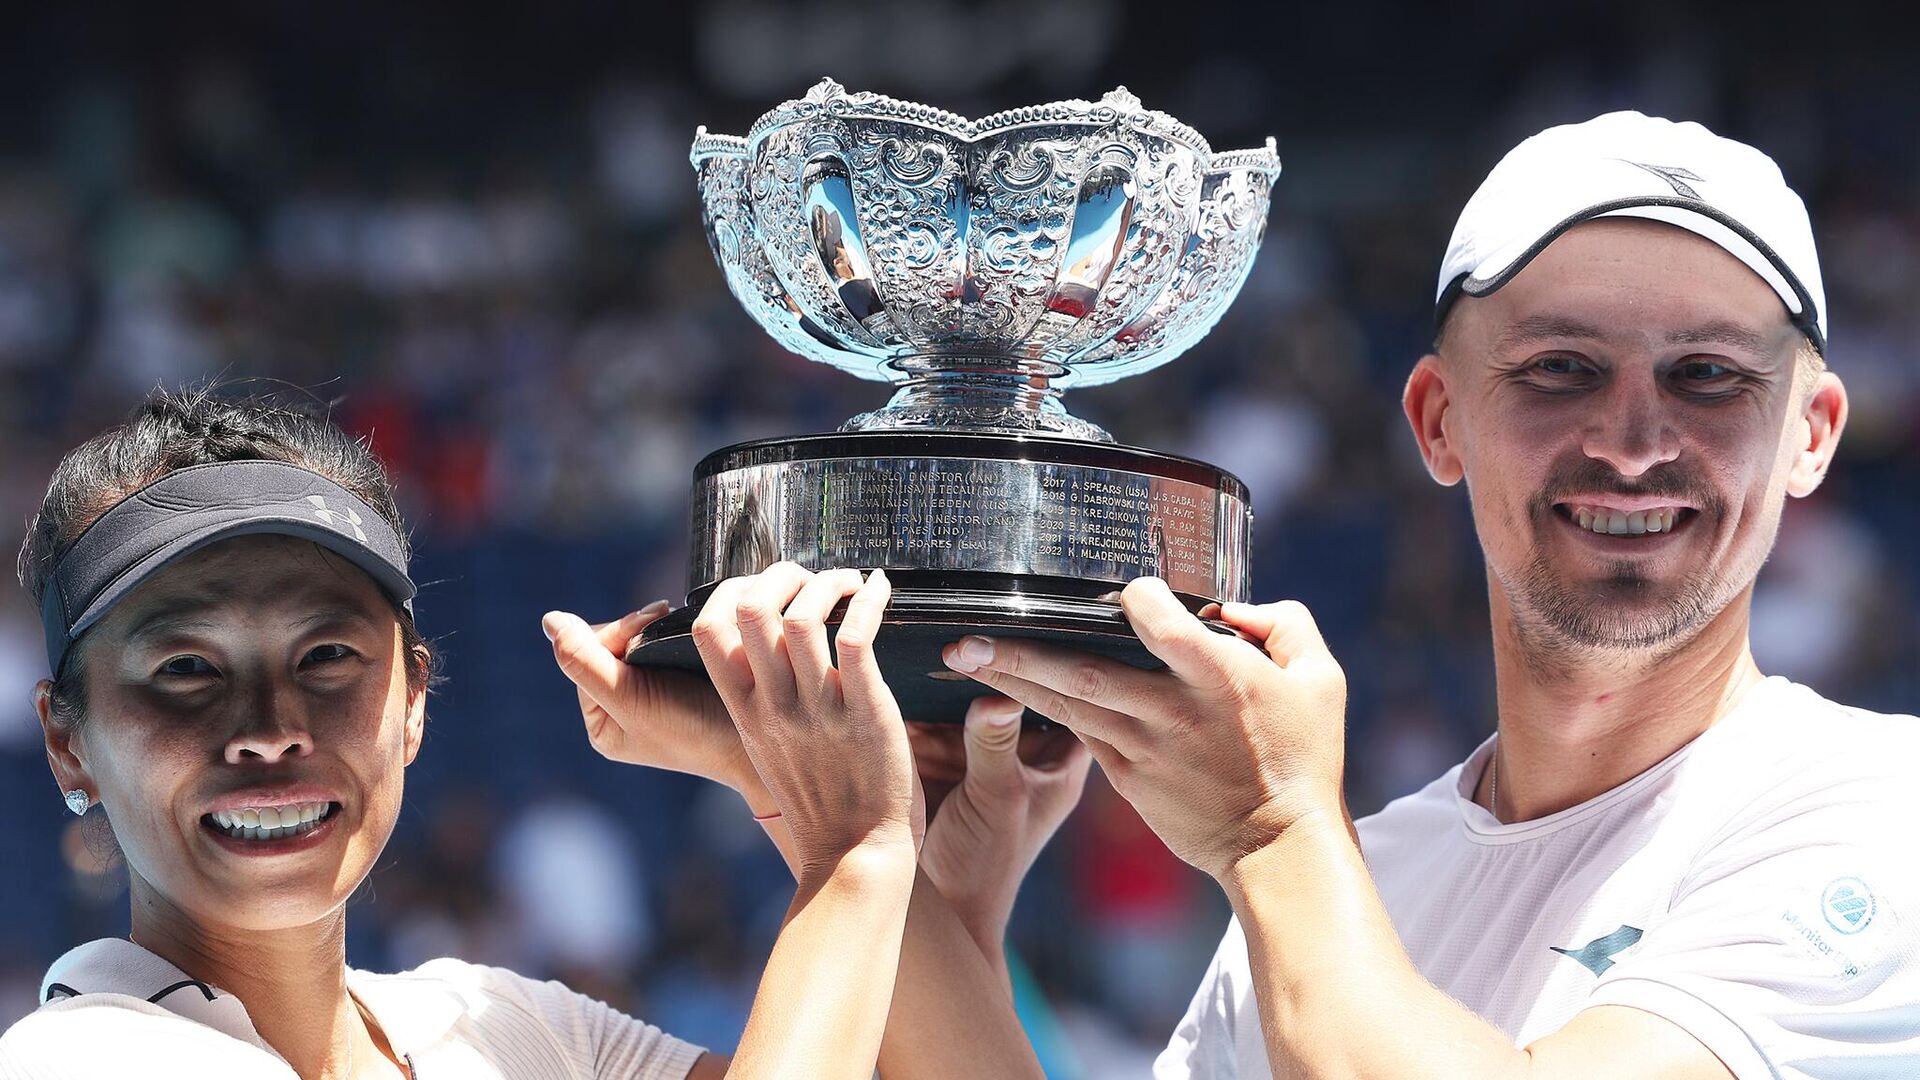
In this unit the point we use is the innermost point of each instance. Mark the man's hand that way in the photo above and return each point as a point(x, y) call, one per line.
point(666, 719)
point(996, 795)
point(1220, 753)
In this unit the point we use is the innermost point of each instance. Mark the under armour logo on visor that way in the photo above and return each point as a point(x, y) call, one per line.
point(1673, 175)
point(350, 519)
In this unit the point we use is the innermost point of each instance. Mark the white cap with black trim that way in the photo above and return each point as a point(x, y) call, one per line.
point(1627, 164)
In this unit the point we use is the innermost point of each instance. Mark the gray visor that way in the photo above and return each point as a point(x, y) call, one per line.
point(186, 510)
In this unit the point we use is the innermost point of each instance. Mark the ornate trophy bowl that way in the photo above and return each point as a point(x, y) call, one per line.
point(982, 267)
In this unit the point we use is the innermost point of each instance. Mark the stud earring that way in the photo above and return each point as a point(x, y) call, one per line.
point(78, 801)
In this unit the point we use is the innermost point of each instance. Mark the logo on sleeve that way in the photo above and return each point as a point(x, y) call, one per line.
point(1848, 905)
point(1597, 955)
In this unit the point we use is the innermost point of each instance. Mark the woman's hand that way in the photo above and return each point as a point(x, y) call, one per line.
point(827, 741)
point(829, 745)
point(659, 717)
point(997, 795)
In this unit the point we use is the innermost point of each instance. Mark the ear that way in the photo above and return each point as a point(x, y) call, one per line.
point(63, 755)
point(1426, 403)
point(416, 719)
point(1817, 434)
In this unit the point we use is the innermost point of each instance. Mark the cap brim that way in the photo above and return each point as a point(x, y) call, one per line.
point(243, 522)
point(1697, 217)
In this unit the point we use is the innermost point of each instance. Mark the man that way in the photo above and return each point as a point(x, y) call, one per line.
point(1664, 865)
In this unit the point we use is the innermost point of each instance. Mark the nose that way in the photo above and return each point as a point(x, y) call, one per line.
point(268, 742)
point(275, 728)
point(1628, 430)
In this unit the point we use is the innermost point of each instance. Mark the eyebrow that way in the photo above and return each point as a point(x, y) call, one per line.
point(1551, 327)
point(192, 615)
point(1548, 327)
point(169, 617)
point(333, 614)
point(1721, 332)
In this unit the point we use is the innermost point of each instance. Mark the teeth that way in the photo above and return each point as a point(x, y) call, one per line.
point(270, 822)
point(1619, 523)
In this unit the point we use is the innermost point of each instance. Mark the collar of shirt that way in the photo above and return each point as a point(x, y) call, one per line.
point(412, 1012)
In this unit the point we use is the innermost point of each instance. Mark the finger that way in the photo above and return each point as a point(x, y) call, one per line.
point(919, 812)
point(993, 740)
point(804, 625)
point(1081, 716)
point(1109, 684)
point(716, 634)
point(618, 634)
point(1286, 629)
point(860, 681)
point(1102, 752)
point(1196, 654)
point(1043, 752)
point(588, 705)
point(582, 656)
point(758, 615)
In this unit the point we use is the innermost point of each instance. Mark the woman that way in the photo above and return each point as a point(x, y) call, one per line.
point(238, 683)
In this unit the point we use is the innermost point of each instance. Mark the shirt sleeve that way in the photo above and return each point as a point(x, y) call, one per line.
point(1203, 1045)
point(604, 1041)
point(1792, 949)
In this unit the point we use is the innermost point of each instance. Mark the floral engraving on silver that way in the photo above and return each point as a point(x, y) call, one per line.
point(981, 266)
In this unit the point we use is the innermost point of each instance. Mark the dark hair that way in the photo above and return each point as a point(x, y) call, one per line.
point(174, 429)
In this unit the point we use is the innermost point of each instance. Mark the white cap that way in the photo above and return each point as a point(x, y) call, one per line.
point(1626, 164)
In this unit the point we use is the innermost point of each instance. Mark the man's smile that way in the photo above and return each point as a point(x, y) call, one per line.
point(1626, 523)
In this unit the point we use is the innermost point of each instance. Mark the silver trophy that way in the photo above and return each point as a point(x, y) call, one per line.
point(982, 267)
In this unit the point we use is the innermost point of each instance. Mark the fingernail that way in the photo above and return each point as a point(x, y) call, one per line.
point(879, 572)
point(977, 651)
point(550, 625)
point(655, 608)
point(1113, 597)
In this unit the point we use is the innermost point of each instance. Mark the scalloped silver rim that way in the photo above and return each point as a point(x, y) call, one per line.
point(870, 106)
point(1265, 159)
point(707, 144)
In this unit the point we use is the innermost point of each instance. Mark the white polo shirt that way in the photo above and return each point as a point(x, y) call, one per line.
point(114, 1010)
point(1760, 888)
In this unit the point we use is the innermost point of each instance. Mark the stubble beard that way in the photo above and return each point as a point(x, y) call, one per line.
point(1623, 616)
point(1623, 612)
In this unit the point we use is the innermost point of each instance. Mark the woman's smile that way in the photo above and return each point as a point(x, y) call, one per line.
point(247, 832)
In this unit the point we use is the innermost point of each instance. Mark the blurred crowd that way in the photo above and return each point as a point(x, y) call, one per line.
point(525, 319)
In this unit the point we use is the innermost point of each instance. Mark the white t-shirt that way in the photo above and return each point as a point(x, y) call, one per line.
point(114, 1010)
point(1760, 888)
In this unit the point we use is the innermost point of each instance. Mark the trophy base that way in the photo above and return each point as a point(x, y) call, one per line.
point(920, 621)
point(1017, 535)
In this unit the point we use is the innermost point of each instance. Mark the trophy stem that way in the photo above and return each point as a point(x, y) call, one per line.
point(981, 399)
